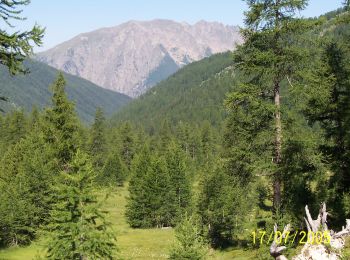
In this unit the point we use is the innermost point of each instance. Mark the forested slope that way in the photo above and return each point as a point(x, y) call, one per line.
point(193, 94)
point(25, 91)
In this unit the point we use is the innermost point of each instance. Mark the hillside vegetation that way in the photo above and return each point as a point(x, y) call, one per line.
point(213, 163)
point(193, 94)
point(26, 91)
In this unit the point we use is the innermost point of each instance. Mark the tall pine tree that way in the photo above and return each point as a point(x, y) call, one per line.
point(98, 145)
point(270, 55)
point(78, 225)
point(61, 124)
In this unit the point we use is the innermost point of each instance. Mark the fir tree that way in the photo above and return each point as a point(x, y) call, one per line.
point(136, 208)
point(222, 206)
point(61, 124)
point(157, 194)
point(79, 228)
point(127, 144)
point(206, 137)
point(114, 170)
point(16, 46)
point(98, 146)
point(271, 54)
point(25, 178)
point(189, 243)
point(329, 105)
point(15, 127)
point(180, 187)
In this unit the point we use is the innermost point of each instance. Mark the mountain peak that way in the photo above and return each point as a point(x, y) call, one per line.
point(135, 55)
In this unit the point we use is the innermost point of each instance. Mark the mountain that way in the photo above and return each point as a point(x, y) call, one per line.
point(33, 89)
point(194, 94)
point(134, 56)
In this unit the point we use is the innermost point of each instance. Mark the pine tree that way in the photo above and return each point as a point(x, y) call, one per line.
point(25, 179)
point(15, 127)
point(223, 205)
point(183, 136)
point(180, 188)
point(206, 137)
point(189, 244)
point(271, 54)
point(34, 119)
point(329, 105)
point(127, 144)
point(98, 146)
point(164, 135)
point(136, 208)
point(78, 225)
point(157, 195)
point(153, 201)
point(61, 124)
point(17, 46)
point(114, 171)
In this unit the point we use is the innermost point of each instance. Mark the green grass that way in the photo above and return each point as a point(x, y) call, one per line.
point(346, 252)
point(132, 243)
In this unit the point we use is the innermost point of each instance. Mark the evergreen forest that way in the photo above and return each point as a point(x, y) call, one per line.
point(198, 166)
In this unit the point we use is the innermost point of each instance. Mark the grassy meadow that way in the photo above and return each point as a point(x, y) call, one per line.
point(132, 243)
point(141, 243)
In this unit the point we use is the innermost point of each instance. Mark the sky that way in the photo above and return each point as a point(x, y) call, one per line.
point(65, 19)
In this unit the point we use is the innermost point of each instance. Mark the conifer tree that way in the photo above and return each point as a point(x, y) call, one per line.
point(127, 143)
point(180, 188)
point(189, 244)
point(114, 171)
point(157, 194)
point(61, 124)
point(164, 135)
point(15, 127)
point(329, 105)
point(270, 55)
point(98, 146)
point(136, 208)
point(78, 225)
point(16, 46)
point(25, 179)
point(222, 206)
point(206, 137)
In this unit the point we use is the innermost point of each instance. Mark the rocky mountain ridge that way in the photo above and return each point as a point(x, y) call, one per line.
point(136, 55)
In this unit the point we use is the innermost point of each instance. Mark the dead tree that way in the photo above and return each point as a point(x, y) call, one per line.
point(312, 251)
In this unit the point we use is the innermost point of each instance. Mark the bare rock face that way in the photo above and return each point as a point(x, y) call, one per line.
point(134, 56)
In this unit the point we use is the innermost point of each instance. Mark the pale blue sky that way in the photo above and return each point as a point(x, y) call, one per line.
point(64, 19)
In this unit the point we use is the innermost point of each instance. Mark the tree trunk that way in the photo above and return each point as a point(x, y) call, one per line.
point(278, 148)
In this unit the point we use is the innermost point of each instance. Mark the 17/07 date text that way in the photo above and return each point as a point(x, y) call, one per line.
point(300, 237)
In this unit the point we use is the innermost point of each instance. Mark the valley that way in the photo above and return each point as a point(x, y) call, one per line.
point(159, 139)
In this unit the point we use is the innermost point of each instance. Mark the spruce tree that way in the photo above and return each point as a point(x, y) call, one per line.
point(61, 124)
point(329, 105)
point(25, 181)
point(114, 171)
point(15, 127)
point(78, 225)
point(206, 139)
point(189, 244)
point(270, 55)
point(180, 187)
point(157, 194)
point(15, 47)
point(136, 208)
point(223, 205)
point(127, 144)
point(97, 144)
